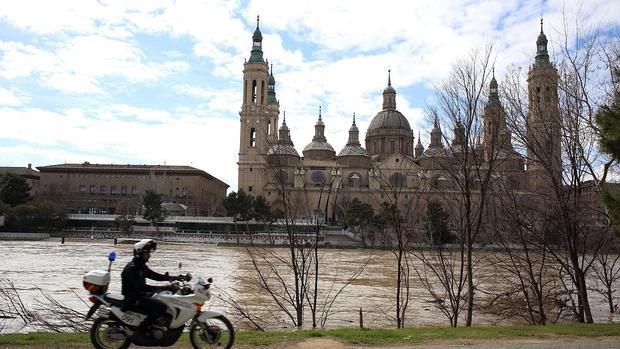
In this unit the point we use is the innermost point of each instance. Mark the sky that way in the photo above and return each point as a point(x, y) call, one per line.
point(160, 82)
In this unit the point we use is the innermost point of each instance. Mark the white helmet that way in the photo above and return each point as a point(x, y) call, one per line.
point(144, 245)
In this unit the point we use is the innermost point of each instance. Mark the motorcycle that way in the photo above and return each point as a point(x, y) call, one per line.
point(114, 328)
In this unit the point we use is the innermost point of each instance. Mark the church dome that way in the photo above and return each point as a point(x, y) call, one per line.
point(319, 145)
point(352, 150)
point(282, 149)
point(390, 119)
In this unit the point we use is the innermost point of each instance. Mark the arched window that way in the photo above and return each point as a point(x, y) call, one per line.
point(280, 177)
point(253, 137)
point(254, 86)
point(269, 127)
point(354, 180)
point(262, 92)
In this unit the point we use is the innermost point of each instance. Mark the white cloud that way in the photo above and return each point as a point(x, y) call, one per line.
point(12, 98)
point(330, 53)
point(106, 134)
point(79, 64)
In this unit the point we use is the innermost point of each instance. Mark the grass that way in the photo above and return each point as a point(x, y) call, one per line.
point(354, 335)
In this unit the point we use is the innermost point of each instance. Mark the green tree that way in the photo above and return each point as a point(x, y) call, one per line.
point(436, 224)
point(153, 211)
point(125, 218)
point(359, 215)
point(13, 189)
point(262, 210)
point(239, 205)
point(41, 216)
point(608, 121)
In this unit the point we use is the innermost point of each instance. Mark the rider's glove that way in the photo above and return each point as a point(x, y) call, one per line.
point(183, 277)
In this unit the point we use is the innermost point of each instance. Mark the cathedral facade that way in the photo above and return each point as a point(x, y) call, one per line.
point(389, 161)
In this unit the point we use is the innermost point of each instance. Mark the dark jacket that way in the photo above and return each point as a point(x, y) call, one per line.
point(134, 278)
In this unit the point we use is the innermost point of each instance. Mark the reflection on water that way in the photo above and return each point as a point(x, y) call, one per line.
point(58, 270)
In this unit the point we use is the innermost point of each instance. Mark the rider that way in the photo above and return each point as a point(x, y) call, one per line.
point(136, 291)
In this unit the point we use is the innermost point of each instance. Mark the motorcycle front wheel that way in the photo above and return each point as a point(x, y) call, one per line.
point(215, 332)
point(108, 334)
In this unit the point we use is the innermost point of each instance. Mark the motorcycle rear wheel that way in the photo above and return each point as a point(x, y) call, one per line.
point(215, 332)
point(108, 334)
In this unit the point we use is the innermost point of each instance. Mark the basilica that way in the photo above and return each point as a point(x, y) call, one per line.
point(390, 161)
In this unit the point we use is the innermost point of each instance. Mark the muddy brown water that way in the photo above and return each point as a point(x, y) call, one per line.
point(58, 268)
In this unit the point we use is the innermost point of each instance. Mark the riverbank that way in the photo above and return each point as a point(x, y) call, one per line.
point(355, 336)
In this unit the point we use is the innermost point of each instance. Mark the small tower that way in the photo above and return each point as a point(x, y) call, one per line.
point(436, 136)
point(419, 148)
point(258, 118)
point(319, 149)
point(543, 119)
point(354, 134)
point(458, 142)
point(496, 133)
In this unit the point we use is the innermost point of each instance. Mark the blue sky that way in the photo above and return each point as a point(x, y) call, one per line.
point(154, 82)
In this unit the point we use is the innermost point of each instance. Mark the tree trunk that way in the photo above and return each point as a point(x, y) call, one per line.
point(470, 282)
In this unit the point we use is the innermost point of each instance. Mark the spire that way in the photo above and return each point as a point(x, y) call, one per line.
point(284, 135)
point(271, 88)
point(284, 121)
point(542, 56)
point(319, 130)
point(493, 94)
point(419, 148)
point(436, 135)
point(459, 134)
point(353, 134)
point(389, 95)
point(256, 55)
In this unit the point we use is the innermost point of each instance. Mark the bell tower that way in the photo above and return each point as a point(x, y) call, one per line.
point(258, 118)
point(543, 119)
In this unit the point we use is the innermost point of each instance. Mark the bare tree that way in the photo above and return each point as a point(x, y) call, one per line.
point(607, 270)
point(469, 167)
point(558, 131)
point(400, 211)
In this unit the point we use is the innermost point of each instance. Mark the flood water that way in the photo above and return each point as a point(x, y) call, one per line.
point(58, 269)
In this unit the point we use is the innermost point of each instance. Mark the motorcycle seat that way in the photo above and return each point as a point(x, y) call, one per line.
point(115, 299)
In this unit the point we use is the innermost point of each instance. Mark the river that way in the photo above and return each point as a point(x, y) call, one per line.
point(58, 269)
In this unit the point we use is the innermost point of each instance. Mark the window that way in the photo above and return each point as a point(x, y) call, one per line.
point(93, 189)
point(113, 190)
point(354, 180)
point(134, 191)
point(262, 93)
point(124, 190)
point(184, 191)
point(254, 86)
point(82, 189)
point(103, 190)
point(392, 146)
point(250, 188)
point(253, 137)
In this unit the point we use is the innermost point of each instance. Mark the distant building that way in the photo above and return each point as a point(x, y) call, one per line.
point(31, 176)
point(100, 188)
point(268, 159)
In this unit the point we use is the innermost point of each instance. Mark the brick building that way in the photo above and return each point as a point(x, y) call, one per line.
point(100, 188)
